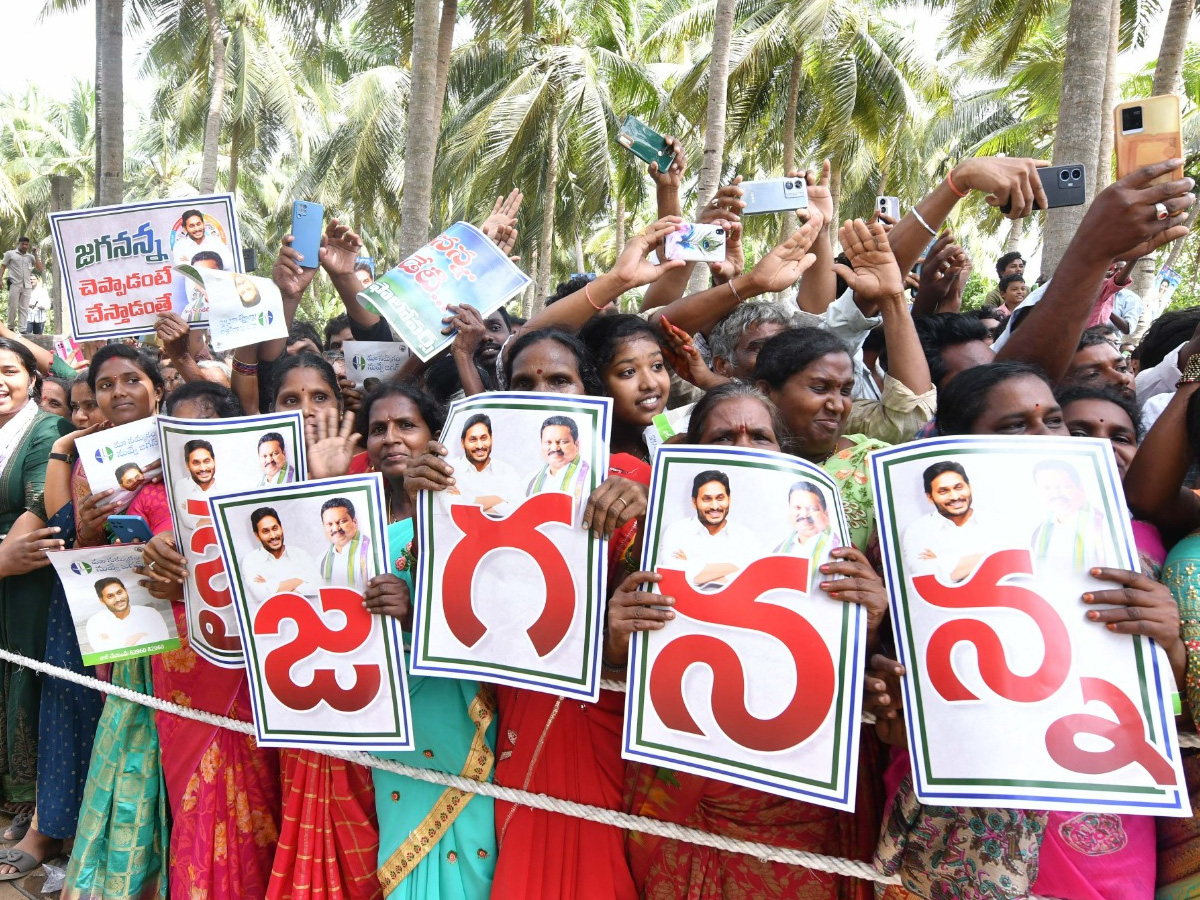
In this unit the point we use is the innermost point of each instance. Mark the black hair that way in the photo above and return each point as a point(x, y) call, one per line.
point(124, 351)
point(188, 214)
point(1168, 331)
point(1003, 262)
point(808, 487)
point(54, 379)
point(732, 390)
point(431, 411)
point(583, 363)
point(261, 513)
point(304, 360)
point(333, 326)
point(365, 267)
point(209, 256)
point(24, 239)
point(192, 446)
point(24, 356)
point(570, 286)
point(1128, 405)
point(707, 476)
point(939, 331)
point(561, 422)
point(126, 467)
point(988, 312)
point(1091, 338)
point(1010, 279)
point(223, 401)
point(603, 336)
point(301, 330)
point(272, 437)
point(442, 380)
point(941, 468)
point(503, 313)
point(964, 399)
point(338, 503)
point(477, 419)
point(105, 582)
point(792, 351)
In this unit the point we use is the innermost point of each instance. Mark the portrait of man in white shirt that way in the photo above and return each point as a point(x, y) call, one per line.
point(274, 568)
point(953, 539)
point(122, 623)
point(347, 561)
point(707, 546)
point(191, 493)
point(198, 238)
point(479, 477)
point(1074, 534)
point(273, 461)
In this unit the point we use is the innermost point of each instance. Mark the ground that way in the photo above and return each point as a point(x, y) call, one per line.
point(29, 887)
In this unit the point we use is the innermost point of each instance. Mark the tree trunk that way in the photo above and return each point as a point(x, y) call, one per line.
point(1015, 232)
point(1104, 164)
point(445, 46)
point(835, 194)
point(110, 112)
point(789, 133)
point(216, 99)
point(423, 128)
point(62, 191)
point(235, 149)
point(580, 262)
point(1077, 137)
point(528, 16)
point(546, 244)
point(620, 227)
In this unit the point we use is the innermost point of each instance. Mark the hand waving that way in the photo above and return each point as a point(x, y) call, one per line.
point(340, 249)
point(330, 448)
point(783, 266)
point(874, 275)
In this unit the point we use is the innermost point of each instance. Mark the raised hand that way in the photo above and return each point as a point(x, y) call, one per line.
point(671, 178)
point(819, 195)
point(681, 355)
point(783, 266)
point(503, 216)
point(1124, 221)
point(172, 333)
point(289, 276)
point(632, 268)
point(1006, 180)
point(330, 447)
point(875, 274)
point(340, 249)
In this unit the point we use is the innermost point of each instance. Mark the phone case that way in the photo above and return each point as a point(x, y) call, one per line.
point(776, 195)
point(696, 243)
point(645, 143)
point(308, 220)
point(1157, 138)
point(889, 206)
point(130, 528)
point(1064, 186)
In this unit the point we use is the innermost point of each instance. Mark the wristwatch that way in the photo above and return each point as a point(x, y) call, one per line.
point(63, 457)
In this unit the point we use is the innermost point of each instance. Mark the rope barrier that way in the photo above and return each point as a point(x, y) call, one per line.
point(626, 821)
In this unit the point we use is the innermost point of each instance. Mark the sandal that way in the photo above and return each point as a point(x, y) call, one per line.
point(19, 827)
point(22, 861)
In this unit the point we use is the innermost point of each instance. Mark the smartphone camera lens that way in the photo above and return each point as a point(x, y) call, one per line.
point(787, 185)
point(1131, 119)
point(720, 232)
point(1076, 174)
point(1064, 175)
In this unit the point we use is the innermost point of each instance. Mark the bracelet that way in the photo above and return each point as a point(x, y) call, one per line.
point(920, 218)
point(950, 181)
point(62, 457)
point(736, 295)
point(1191, 371)
point(587, 293)
point(244, 368)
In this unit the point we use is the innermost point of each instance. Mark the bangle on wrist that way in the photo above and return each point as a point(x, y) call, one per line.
point(920, 218)
point(587, 293)
point(736, 295)
point(62, 457)
point(1191, 371)
point(244, 368)
point(950, 181)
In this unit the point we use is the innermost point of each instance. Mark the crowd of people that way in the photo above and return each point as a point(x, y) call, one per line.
point(150, 804)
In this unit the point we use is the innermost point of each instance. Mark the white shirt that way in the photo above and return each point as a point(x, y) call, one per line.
point(292, 563)
point(185, 249)
point(186, 489)
point(1160, 379)
point(143, 625)
point(347, 566)
point(949, 543)
point(688, 545)
point(497, 479)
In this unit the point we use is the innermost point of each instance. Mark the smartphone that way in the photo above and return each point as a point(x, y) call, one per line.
point(1064, 186)
point(128, 529)
point(1148, 131)
point(776, 195)
point(308, 221)
point(645, 143)
point(696, 243)
point(888, 206)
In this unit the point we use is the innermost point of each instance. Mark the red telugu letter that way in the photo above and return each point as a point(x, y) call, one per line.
point(212, 626)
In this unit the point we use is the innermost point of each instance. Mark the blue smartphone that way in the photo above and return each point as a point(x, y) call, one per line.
point(128, 529)
point(308, 221)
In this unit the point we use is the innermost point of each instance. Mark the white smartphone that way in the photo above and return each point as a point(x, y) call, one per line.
point(889, 206)
point(776, 195)
point(696, 243)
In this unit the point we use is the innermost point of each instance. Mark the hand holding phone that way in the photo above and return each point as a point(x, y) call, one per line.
point(307, 224)
point(696, 243)
point(889, 206)
point(130, 529)
point(645, 143)
point(776, 195)
point(1064, 186)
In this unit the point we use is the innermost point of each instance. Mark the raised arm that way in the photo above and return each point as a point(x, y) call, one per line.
point(340, 249)
point(293, 280)
point(818, 287)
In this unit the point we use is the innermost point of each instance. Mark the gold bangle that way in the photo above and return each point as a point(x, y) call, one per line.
point(1191, 371)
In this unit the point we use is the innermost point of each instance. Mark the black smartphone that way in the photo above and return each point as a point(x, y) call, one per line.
point(1064, 186)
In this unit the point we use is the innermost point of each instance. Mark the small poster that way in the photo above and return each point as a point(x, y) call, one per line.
point(510, 588)
point(121, 458)
point(241, 309)
point(1013, 698)
point(758, 678)
point(324, 672)
point(203, 458)
point(368, 363)
point(1165, 284)
point(115, 617)
point(459, 266)
point(118, 261)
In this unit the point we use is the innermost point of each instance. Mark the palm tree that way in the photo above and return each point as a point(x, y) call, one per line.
point(110, 102)
point(424, 126)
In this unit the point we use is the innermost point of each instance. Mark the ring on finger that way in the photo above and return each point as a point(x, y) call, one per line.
point(150, 566)
point(622, 501)
point(1161, 211)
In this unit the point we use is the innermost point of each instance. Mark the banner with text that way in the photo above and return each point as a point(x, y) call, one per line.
point(370, 362)
point(242, 309)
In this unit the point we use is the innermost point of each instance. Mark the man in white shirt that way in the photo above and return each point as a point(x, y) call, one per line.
point(811, 536)
point(478, 477)
point(121, 624)
point(272, 459)
point(191, 493)
point(564, 471)
point(273, 568)
point(951, 541)
point(347, 562)
point(198, 239)
point(708, 547)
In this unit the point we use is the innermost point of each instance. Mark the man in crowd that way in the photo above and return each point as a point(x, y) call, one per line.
point(951, 541)
point(736, 339)
point(16, 271)
point(1012, 292)
point(1008, 264)
point(273, 568)
point(709, 548)
point(564, 472)
point(121, 624)
point(272, 459)
point(347, 562)
point(479, 478)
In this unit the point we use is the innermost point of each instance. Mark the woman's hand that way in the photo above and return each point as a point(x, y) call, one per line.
point(783, 266)
point(172, 333)
point(820, 197)
point(1142, 606)
point(330, 448)
point(352, 397)
point(93, 515)
point(66, 443)
point(289, 276)
point(632, 269)
point(612, 504)
point(388, 595)
point(469, 325)
point(682, 356)
point(21, 554)
point(875, 274)
point(340, 249)
point(1006, 180)
point(631, 610)
point(429, 471)
point(884, 700)
point(161, 560)
point(859, 585)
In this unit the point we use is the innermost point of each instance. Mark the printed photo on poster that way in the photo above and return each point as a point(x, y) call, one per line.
point(323, 670)
point(510, 588)
point(121, 459)
point(118, 261)
point(369, 363)
point(115, 617)
point(1013, 698)
point(758, 678)
point(204, 458)
point(241, 309)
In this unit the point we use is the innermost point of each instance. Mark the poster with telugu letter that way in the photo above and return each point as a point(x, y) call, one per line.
point(202, 458)
point(509, 587)
point(757, 680)
point(118, 261)
point(324, 672)
point(1013, 696)
point(241, 309)
point(461, 265)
